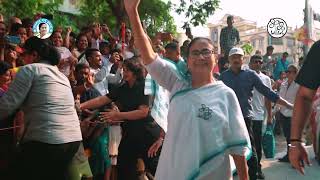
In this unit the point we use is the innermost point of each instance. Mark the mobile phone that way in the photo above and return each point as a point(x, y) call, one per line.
point(12, 39)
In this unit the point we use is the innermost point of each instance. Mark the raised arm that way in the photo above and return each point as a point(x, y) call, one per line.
point(140, 37)
point(67, 38)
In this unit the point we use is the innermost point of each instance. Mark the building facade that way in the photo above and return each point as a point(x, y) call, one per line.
point(259, 38)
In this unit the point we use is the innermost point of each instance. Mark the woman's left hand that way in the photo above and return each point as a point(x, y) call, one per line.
point(110, 116)
point(153, 150)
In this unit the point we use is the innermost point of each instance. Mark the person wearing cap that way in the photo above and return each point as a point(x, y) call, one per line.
point(259, 104)
point(243, 82)
point(268, 62)
point(52, 131)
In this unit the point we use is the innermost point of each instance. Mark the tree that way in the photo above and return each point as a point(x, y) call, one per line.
point(28, 8)
point(196, 12)
point(154, 13)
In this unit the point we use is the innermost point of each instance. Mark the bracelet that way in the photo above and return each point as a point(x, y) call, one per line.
point(85, 86)
point(295, 140)
point(292, 146)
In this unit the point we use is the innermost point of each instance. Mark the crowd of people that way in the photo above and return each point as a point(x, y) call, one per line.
point(95, 105)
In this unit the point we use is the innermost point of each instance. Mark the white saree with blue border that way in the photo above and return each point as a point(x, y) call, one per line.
point(205, 127)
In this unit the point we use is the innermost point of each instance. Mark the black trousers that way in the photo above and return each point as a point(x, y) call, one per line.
point(286, 125)
point(134, 145)
point(253, 161)
point(39, 161)
point(257, 135)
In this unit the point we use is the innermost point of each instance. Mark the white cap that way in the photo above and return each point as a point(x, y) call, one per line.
point(236, 50)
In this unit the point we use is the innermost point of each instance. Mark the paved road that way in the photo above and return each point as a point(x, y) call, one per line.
point(275, 170)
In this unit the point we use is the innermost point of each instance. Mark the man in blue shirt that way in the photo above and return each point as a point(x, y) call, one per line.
point(243, 82)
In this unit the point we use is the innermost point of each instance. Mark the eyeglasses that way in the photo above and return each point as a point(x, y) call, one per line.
point(256, 62)
point(205, 52)
point(291, 72)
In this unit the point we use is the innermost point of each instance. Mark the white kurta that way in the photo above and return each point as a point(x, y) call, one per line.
point(205, 126)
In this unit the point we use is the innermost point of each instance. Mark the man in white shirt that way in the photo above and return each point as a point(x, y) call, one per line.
point(288, 91)
point(101, 73)
point(259, 105)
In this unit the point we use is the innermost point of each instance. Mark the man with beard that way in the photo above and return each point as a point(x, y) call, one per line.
point(243, 82)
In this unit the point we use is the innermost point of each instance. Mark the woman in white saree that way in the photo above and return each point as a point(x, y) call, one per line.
point(205, 123)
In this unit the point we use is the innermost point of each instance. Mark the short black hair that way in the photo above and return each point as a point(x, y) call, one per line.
point(41, 25)
point(286, 53)
point(255, 57)
point(82, 35)
point(15, 27)
point(81, 66)
point(27, 22)
point(44, 49)
point(89, 52)
point(172, 46)
point(104, 44)
point(230, 17)
point(4, 67)
point(270, 48)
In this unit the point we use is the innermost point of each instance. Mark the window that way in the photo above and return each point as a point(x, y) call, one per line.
point(261, 43)
point(290, 42)
point(253, 42)
point(276, 41)
point(214, 35)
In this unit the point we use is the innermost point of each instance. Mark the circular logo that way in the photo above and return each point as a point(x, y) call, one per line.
point(42, 28)
point(277, 27)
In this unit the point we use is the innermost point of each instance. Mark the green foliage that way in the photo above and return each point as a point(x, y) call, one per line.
point(247, 48)
point(157, 18)
point(28, 8)
point(96, 11)
point(196, 11)
point(64, 21)
point(155, 14)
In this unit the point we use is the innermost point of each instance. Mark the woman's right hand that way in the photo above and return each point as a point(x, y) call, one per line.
point(298, 157)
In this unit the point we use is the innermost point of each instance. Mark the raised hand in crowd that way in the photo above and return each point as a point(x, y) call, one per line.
point(140, 37)
point(67, 38)
point(105, 29)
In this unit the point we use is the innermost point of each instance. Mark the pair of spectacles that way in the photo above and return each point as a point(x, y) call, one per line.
point(258, 62)
point(205, 52)
point(291, 72)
